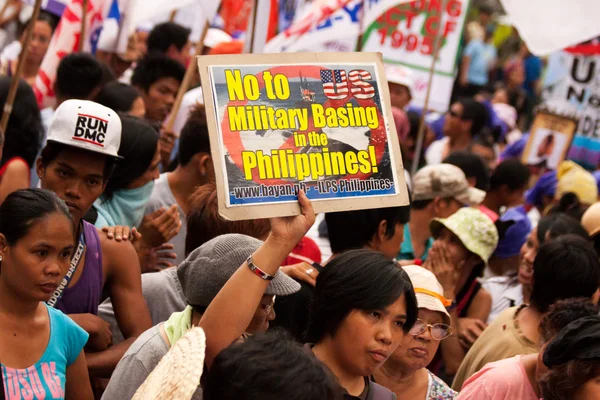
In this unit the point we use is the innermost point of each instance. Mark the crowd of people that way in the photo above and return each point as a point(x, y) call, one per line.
point(114, 256)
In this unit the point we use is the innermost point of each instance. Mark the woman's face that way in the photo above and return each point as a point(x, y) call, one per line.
point(417, 351)
point(40, 40)
point(365, 339)
point(34, 266)
point(263, 315)
point(152, 173)
point(527, 257)
point(457, 252)
point(138, 109)
point(589, 390)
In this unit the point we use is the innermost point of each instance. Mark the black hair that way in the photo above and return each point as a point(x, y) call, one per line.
point(77, 76)
point(476, 112)
point(117, 96)
point(564, 268)
point(473, 167)
point(485, 9)
point(108, 74)
point(349, 230)
point(154, 67)
point(562, 313)
point(555, 225)
point(22, 208)
point(43, 16)
point(24, 133)
point(512, 173)
point(269, 366)
point(166, 35)
point(570, 205)
point(138, 147)
point(483, 139)
point(194, 137)
point(53, 150)
point(357, 280)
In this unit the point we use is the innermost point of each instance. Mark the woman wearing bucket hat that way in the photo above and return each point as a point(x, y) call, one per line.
point(362, 307)
point(463, 245)
point(405, 372)
point(202, 275)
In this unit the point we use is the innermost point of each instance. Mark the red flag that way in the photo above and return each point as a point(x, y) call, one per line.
point(66, 41)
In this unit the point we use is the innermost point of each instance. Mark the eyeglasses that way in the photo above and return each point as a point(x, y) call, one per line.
point(438, 331)
point(268, 307)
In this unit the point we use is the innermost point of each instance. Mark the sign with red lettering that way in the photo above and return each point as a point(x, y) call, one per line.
point(405, 33)
point(315, 122)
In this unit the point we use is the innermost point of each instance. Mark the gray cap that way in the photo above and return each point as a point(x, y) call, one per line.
point(445, 180)
point(206, 270)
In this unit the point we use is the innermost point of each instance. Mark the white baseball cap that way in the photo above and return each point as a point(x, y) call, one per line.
point(215, 36)
point(88, 126)
point(429, 292)
point(401, 76)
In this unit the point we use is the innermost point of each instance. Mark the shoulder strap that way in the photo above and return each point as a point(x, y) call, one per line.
point(378, 392)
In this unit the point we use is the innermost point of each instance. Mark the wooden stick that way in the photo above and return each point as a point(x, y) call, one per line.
point(421, 134)
point(14, 83)
point(84, 9)
point(189, 74)
point(359, 43)
point(173, 15)
point(250, 31)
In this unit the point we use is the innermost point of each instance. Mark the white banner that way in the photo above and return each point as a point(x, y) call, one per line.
point(405, 34)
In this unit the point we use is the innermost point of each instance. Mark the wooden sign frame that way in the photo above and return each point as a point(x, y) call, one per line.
point(207, 64)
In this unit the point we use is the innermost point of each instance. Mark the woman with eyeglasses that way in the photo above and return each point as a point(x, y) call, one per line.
point(405, 372)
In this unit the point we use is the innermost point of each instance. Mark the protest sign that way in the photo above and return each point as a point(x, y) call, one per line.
point(284, 122)
point(405, 34)
point(549, 141)
point(572, 86)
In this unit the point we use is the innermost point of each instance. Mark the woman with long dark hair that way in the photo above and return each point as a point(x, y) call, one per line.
point(41, 349)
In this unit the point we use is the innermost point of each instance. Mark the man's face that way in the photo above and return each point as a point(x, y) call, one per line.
point(159, 98)
point(399, 95)
point(77, 177)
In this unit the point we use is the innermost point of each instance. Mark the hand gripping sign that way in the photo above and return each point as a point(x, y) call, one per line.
point(282, 123)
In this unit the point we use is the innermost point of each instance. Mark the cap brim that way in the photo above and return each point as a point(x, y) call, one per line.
point(472, 197)
point(116, 157)
point(282, 285)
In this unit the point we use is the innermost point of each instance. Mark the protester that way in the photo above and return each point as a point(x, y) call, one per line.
point(40, 39)
point(508, 183)
point(464, 243)
point(514, 78)
point(77, 171)
point(473, 166)
point(541, 196)
point(42, 349)
point(465, 119)
point(438, 192)
point(22, 139)
point(363, 306)
point(501, 275)
point(477, 61)
point(158, 77)
point(162, 290)
point(517, 377)
point(195, 168)
point(130, 185)
point(573, 362)
point(270, 367)
point(564, 268)
point(484, 146)
point(405, 371)
point(9, 21)
point(170, 39)
point(401, 84)
point(122, 98)
point(202, 275)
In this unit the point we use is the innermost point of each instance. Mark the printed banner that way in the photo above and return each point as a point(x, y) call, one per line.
point(316, 122)
point(571, 86)
point(405, 34)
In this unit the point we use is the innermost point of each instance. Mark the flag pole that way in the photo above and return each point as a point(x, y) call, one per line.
point(14, 83)
point(361, 27)
point(421, 134)
point(84, 9)
point(187, 79)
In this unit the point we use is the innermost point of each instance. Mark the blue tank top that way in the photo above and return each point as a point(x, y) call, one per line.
point(84, 296)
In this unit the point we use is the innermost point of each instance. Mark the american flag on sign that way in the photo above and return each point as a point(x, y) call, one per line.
point(335, 84)
point(361, 88)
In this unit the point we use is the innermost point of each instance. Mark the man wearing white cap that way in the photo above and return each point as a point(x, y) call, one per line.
point(76, 163)
point(401, 84)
